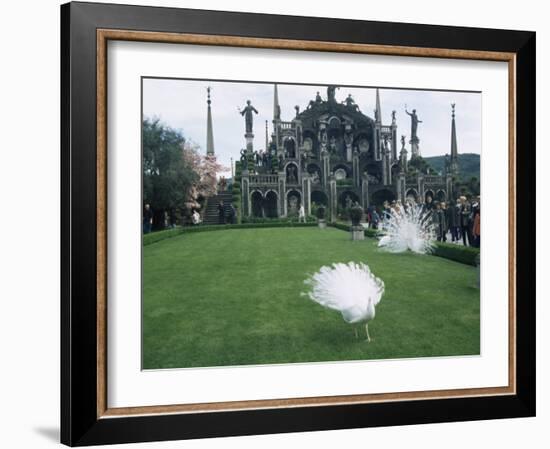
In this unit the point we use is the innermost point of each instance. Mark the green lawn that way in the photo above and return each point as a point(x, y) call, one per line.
point(232, 297)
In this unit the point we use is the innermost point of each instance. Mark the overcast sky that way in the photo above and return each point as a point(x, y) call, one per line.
point(181, 104)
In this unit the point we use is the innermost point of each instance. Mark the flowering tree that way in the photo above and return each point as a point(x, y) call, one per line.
point(206, 168)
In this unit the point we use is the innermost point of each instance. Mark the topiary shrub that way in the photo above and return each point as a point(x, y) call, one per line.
point(356, 213)
point(321, 212)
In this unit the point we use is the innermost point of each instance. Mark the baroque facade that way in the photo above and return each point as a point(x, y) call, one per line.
point(331, 153)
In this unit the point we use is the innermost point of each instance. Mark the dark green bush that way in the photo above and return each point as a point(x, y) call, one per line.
point(344, 182)
point(293, 219)
point(356, 213)
point(466, 255)
point(155, 237)
point(341, 226)
point(321, 212)
point(462, 254)
point(371, 232)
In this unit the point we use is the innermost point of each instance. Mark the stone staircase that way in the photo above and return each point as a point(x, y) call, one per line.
point(210, 216)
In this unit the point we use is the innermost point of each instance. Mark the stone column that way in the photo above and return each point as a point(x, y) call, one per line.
point(420, 177)
point(377, 142)
point(365, 191)
point(415, 148)
point(282, 194)
point(348, 139)
point(449, 184)
point(393, 142)
point(333, 198)
point(388, 167)
point(306, 193)
point(384, 167)
point(326, 167)
point(355, 166)
point(249, 137)
point(404, 161)
point(245, 206)
point(401, 183)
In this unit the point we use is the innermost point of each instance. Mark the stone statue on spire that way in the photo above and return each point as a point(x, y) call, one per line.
point(331, 94)
point(414, 124)
point(248, 117)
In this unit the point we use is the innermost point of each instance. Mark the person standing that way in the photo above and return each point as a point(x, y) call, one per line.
point(195, 217)
point(428, 205)
point(440, 223)
point(301, 214)
point(446, 222)
point(147, 219)
point(386, 212)
point(452, 221)
point(465, 219)
point(221, 213)
point(231, 214)
point(476, 229)
point(375, 219)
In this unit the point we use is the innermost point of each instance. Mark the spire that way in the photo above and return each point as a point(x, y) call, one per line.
point(209, 131)
point(266, 137)
point(276, 106)
point(378, 112)
point(454, 146)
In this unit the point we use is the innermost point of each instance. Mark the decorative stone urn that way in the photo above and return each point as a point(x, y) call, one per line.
point(357, 232)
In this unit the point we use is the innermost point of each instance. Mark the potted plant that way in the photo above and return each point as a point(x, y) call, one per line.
point(356, 213)
point(321, 211)
point(357, 230)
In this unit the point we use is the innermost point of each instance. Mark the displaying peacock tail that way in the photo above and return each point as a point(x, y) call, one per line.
point(408, 228)
point(349, 288)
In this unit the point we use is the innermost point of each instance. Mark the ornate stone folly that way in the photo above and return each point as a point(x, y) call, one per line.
point(331, 153)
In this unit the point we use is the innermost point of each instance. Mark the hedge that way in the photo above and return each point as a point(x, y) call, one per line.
point(309, 219)
point(345, 227)
point(458, 253)
point(157, 236)
point(462, 254)
point(341, 226)
point(466, 255)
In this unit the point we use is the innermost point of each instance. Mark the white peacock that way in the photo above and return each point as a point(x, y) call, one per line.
point(408, 228)
point(350, 289)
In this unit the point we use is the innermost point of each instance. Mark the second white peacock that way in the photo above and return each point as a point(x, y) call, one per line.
point(350, 289)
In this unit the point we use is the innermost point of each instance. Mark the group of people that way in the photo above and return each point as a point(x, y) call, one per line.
point(226, 214)
point(163, 219)
point(460, 219)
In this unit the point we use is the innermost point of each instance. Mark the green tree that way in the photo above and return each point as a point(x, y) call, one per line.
point(167, 178)
point(420, 164)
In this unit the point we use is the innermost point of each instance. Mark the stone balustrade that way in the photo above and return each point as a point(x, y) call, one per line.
point(263, 179)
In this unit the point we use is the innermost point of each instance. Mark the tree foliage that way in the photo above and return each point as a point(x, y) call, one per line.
point(167, 177)
point(205, 167)
point(420, 164)
point(176, 177)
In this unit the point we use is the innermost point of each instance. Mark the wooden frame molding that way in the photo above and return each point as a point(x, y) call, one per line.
point(105, 35)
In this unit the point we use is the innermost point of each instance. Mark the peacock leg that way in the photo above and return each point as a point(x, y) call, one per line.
point(355, 330)
point(367, 329)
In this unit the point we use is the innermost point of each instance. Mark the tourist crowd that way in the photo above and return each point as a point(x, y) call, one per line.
point(453, 221)
point(457, 222)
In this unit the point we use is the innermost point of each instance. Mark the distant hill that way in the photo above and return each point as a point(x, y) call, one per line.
point(468, 165)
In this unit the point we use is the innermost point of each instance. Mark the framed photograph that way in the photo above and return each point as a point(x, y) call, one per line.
point(273, 224)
